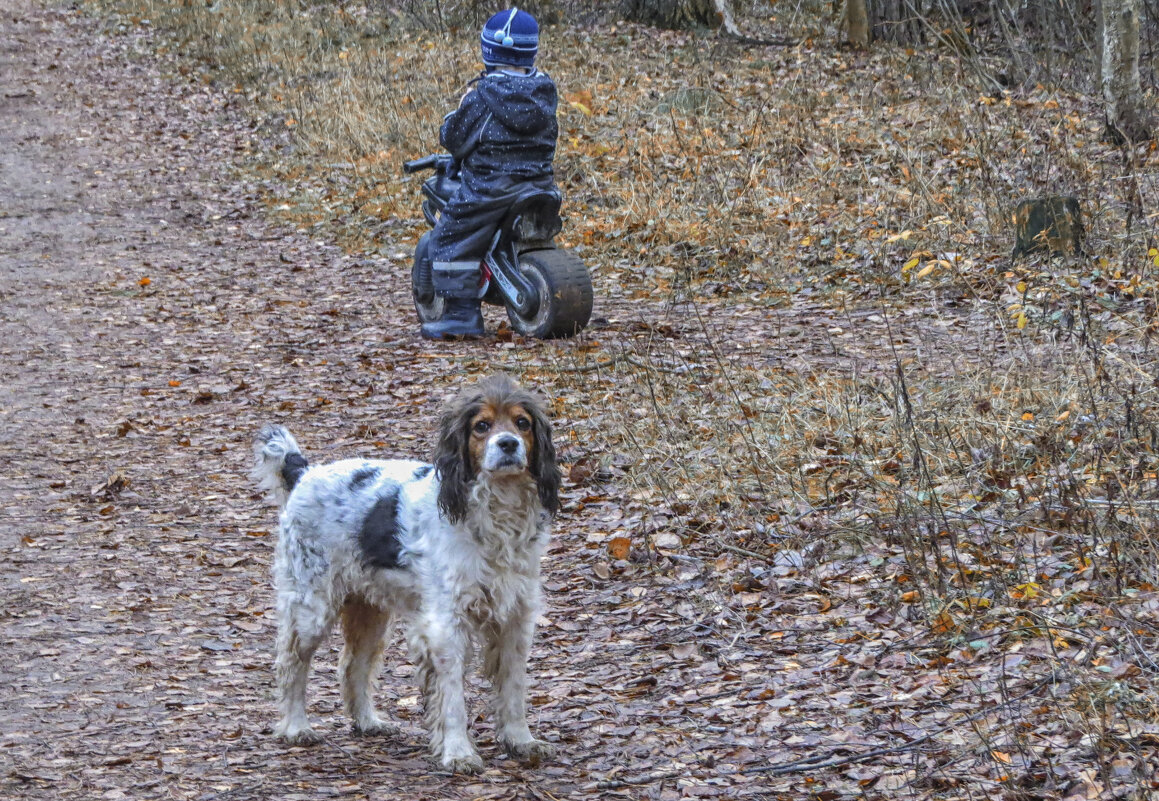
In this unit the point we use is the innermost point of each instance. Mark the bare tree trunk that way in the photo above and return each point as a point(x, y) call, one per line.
point(1128, 119)
point(683, 14)
point(897, 21)
point(855, 23)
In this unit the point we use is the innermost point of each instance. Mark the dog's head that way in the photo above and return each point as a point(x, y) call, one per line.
point(498, 429)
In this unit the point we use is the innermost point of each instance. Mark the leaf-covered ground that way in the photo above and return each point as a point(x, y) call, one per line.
point(889, 625)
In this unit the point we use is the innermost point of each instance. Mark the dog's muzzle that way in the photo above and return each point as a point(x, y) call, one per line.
point(505, 452)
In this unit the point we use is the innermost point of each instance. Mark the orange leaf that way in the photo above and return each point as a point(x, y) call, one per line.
point(144, 281)
point(581, 101)
point(619, 547)
point(942, 623)
point(583, 96)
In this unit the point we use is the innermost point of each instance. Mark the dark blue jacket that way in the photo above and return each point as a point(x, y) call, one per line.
point(505, 126)
point(502, 137)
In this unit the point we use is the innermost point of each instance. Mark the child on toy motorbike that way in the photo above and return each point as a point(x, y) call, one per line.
point(502, 139)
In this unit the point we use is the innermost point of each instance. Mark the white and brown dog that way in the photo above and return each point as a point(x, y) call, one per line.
point(450, 549)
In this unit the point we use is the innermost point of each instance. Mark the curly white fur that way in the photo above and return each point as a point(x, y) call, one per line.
point(370, 541)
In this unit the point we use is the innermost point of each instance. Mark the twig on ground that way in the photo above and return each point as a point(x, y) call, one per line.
point(612, 362)
point(591, 368)
point(745, 552)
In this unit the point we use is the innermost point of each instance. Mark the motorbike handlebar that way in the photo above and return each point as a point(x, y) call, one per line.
point(425, 163)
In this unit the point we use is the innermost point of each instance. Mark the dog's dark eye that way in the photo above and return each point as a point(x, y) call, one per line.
point(482, 427)
point(523, 424)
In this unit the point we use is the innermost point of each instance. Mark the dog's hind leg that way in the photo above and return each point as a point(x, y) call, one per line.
point(364, 629)
point(505, 663)
point(301, 629)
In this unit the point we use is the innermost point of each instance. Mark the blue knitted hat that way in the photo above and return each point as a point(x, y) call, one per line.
point(510, 37)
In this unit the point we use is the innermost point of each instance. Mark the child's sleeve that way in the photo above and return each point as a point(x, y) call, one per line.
point(460, 131)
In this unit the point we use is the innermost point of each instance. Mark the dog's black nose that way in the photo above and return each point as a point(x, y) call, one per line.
point(508, 445)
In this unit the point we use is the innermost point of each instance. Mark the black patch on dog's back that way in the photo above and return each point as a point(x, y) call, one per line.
point(293, 467)
point(381, 531)
point(363, 476)
point(423, 472)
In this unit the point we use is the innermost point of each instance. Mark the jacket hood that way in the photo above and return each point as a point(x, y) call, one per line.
point(522, 103)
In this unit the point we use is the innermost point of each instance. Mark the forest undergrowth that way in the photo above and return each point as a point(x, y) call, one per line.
point(814, 367)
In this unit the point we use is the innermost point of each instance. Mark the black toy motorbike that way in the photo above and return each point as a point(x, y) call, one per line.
point(547, 290)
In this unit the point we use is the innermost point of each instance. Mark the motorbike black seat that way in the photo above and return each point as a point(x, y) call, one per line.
point(545, 202)
point(537, 210)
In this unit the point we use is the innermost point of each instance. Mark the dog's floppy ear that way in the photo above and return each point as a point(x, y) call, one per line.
point(453, 458)
point(543, 465)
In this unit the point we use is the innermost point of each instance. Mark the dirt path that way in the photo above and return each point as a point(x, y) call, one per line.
point(149, 321)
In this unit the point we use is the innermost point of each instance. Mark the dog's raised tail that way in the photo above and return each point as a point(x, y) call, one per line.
point(278, 462)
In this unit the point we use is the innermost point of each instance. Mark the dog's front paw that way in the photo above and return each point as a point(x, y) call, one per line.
point(530, 751)
point(303, 735)
point(468, 764)
point(376, 728)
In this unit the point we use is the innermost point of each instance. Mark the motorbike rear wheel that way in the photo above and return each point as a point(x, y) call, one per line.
point(565, 294)
point(428, 303)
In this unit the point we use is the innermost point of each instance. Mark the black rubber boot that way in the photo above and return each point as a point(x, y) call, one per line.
point(462, 317)
point(457, 283)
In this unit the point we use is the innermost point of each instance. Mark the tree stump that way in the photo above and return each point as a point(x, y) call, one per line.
point(1052, 224)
